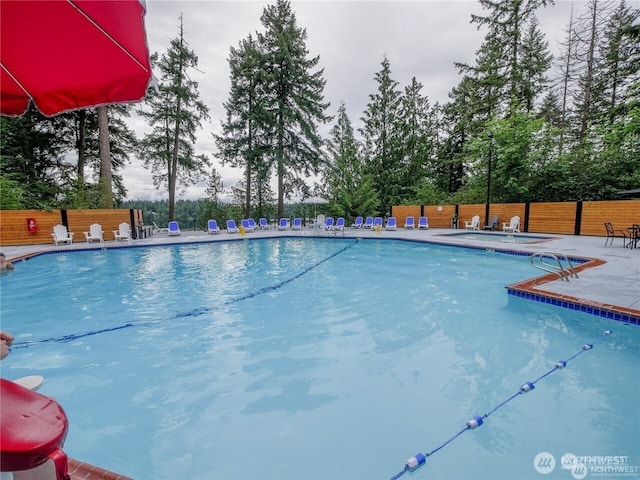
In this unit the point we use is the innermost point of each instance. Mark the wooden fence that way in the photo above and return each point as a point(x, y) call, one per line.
point(14, 224)
point(571, 218)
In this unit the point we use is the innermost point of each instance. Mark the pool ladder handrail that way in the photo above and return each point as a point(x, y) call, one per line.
point(557, 267)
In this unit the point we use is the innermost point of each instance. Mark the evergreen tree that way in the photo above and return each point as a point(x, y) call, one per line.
point(31, 156)
point(294, 100)
point(244, 133)
point(345, 184)
point(418, 137)
point(381, 148)
point(175, 114)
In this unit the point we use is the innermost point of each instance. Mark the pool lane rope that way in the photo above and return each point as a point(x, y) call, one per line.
point(192, 313)
point(419, 459)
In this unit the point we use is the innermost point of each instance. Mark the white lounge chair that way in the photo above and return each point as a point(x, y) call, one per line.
point(94, 234)
point(339, 225)
point(297, 224)
point(123, 232)
point(409, 223)
point(157, 229)
point(232, 227)
point(391, 223)
point(283, 224)
point(264, 225)
point(174, 228)
point(423, 222)
point(212, 227)
point(368, 223)
point(61, 235)
point(358, 223)
point(513, 226)
point(474, 224)
point(252, 224)
point(377, 224)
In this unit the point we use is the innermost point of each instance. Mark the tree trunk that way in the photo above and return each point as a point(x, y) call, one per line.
point(105, 157)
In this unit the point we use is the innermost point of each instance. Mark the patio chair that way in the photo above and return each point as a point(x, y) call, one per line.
point(368, 222)
point(613, 233)
point(283, 224)
point(473, 224)
point(157, 229)
point(232, 227)
point(409, 223)
point(123, 232)
point(513, 226)
point(212, 227)
point(358, 223)
point(174, 228)
point(328, 223)
point(252, 224)
point(264, 225)
point(391, 223)
point(61, 235)
point(94, 234)
point(493, 224)
point(339, 225)
point(297, 224)
point(246, 225)
point(377, 224)
point(423, 222)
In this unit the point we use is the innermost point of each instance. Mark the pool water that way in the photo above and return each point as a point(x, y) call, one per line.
point(315, 359)
point(499, 237)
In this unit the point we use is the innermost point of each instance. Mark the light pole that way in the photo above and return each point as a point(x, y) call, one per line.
point(486, 208)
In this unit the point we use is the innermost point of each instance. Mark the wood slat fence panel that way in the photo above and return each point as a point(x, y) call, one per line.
point(13, 224)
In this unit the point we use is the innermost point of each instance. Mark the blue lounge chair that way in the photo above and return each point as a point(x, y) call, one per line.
point(328, 223)
point(339, 226)
point(423, 222)
point(368, 223)
point(232, 227)
point(377, 223)
point(264, 225)
point(409, 223)
point(212, 227)
point(283, 224)
point(357, 223)
point(252, 224)
point(297, 224)
point(246, 225)
point(391, 223)
point(174, 228)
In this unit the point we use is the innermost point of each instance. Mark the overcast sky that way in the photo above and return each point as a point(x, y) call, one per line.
point(420, 39)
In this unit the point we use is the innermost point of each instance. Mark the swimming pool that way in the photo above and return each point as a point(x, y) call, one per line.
point(499, 237)
point(326, 358)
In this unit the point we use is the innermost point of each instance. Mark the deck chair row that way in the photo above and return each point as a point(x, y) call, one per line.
point(60, 234)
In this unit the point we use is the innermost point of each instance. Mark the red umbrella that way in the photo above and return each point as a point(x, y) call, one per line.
point(71, 54)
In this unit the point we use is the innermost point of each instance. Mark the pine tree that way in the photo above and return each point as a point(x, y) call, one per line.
point(344, 181)
point(294, 95)
point(243, 135)
point(381, 145)
point(175, 114)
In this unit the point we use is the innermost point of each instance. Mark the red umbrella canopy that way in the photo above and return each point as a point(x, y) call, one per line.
point(70, 54)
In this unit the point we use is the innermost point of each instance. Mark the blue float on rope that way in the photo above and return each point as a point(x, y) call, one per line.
point(420, 459)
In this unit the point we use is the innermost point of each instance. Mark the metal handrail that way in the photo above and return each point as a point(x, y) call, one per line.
point(556, 268)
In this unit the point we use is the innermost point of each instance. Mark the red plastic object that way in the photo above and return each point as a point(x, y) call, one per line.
point(33, 429)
